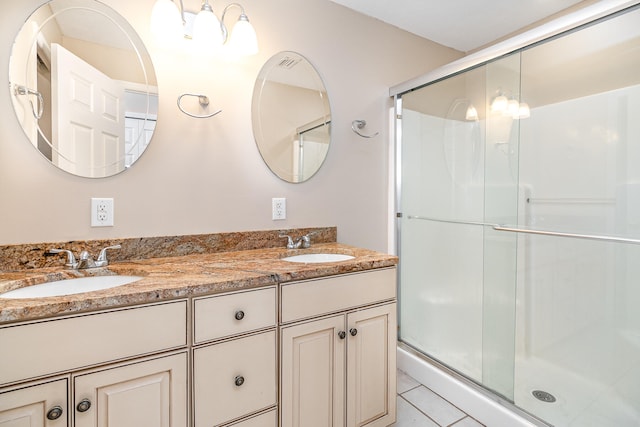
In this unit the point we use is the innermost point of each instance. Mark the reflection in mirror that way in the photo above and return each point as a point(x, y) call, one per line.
point(83, 87)
point(291, 117)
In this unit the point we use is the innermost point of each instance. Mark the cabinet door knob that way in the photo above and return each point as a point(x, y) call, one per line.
point(239, 315)
point(342, 334)
point(84, 405)
point(54, 413)
point(239, 380)
point(353, 332)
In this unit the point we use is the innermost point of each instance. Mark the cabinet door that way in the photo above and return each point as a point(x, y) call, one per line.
point(40, 405)
point(150, 393)
point(371, 366)
point(312, 374)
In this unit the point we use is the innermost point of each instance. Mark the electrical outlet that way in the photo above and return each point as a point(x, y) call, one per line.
point(101, 212)
point(278, 208)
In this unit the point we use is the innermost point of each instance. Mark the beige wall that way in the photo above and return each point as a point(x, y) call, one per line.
point(206, 176)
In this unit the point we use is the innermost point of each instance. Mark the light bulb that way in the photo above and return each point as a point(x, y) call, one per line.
point(512, 109)
point(499, 104)
point(472, 113)
point(243, 40)
point(524, 111)
point(166, 23)
point(206, 29)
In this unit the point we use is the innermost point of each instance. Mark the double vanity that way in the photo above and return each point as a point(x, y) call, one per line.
point(246, 338)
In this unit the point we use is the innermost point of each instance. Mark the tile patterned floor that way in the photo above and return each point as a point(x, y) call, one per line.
point(420, 407)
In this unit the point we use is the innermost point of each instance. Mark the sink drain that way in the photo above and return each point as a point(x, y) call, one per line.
point(543, 396)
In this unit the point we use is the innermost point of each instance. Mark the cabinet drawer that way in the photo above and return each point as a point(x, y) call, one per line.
point(231, 314)
point(234, 378)
point(46, 347)
point(268, 419)
point(300, 300)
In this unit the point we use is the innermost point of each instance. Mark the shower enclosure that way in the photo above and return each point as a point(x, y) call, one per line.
point(519, 224)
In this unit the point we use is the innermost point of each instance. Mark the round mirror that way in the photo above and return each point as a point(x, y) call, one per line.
point(291, 117)
point(83, 87)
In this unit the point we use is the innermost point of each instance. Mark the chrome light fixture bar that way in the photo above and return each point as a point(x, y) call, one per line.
point(170, 23)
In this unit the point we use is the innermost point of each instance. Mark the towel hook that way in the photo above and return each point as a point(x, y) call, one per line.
point(204, 102)
point(356, 125)
point(23, 90)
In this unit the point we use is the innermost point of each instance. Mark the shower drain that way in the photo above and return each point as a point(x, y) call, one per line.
point(543, 396)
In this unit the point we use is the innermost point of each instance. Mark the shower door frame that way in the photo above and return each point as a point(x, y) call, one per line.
point(572, 22)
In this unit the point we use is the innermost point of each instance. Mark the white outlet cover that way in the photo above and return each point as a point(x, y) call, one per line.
point(278, 208)
point(102, 212)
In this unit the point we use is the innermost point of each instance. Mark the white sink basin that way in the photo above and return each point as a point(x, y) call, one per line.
point(70, 286)
point(317, 258)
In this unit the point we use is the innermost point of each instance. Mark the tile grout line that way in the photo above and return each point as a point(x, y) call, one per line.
point(418, 384)
point(418, 409)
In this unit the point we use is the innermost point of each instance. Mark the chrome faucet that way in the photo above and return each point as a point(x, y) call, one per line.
point(301, 242)
point(85, 260)
point(71, 263)
point(291, 244)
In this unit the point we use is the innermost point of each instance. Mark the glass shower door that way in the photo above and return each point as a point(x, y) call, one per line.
point(578, 329)
point(459, 173)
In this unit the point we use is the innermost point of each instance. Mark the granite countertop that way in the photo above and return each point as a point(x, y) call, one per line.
point(180, 277)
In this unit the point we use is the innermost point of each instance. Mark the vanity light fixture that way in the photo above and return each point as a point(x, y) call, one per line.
point(170, 22)
point(509, 106)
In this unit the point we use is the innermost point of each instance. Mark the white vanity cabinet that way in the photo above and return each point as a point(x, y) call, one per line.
point(310, 353)
point(338, 346)
point(105, 357)
point(234, 359)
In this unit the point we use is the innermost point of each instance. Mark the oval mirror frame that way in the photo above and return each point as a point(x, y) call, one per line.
point(291, 117)
point(83, 87)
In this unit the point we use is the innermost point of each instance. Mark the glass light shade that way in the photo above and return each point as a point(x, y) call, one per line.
point(499, 104)
point(206, 30)
point(524, 111)
point(513, 108)
point(243, 40)
point(166, 23)
point(472, 113)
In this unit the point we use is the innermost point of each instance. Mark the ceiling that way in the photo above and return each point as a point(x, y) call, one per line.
point(464, 25)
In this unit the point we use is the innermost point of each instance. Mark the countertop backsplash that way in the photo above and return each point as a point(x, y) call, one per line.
point(35, 255)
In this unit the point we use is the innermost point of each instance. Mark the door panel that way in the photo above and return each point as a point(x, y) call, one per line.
point(371, 359)
point(28, 406)
point(151, 393)
point(88, 117)
point(313, 374)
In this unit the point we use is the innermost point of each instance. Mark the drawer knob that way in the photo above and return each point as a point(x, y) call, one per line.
point(239, 315)
point(239, 380)
point(84, 405)
point(54, 413)
point(342, 334)
point(353, 332)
